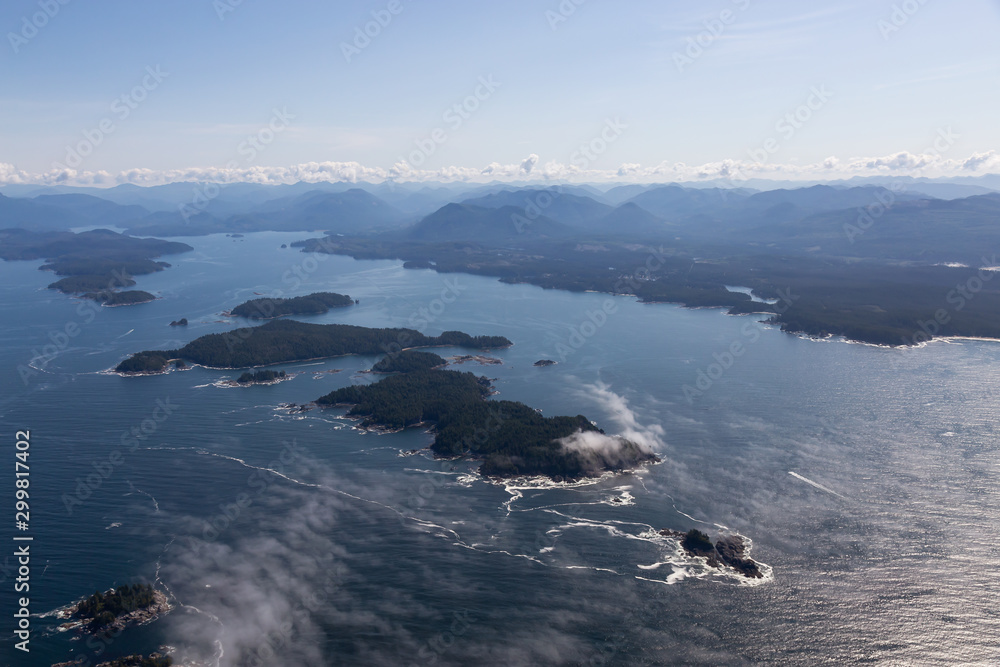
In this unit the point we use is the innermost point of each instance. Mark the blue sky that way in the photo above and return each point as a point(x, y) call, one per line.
point(607, 91)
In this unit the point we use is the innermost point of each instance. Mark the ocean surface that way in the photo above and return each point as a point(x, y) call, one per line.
point(867, 479)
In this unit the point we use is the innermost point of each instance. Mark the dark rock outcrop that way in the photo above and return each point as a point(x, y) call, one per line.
point(730, 550)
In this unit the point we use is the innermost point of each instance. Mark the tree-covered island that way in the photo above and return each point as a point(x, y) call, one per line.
point(312, 304)
point(117, 608)
point(94, 265)
point(511, 439)
point(408, 361)
point(261, 377)
point(281, 341)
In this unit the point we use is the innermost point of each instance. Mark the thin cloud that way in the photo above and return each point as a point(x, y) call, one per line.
point(902, 163)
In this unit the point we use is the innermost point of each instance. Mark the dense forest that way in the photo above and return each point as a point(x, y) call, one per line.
point(260, 377)
point(510, 438)
point(408, 361)
point(73, 265)
point(101, 609)
point(66, 249)
point(95, 264)
point(128, 298)
point(313, 304)
point(874, 301)
point(91, 283)
point(282, 341)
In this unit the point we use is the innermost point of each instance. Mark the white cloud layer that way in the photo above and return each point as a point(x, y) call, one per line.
point(600, 450)
point(932, 165)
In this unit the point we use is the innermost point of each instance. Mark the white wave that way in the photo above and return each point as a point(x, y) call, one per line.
point(815, 484)
point(156, 505)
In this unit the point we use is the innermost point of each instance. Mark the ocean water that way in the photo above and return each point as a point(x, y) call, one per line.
point(866, 479)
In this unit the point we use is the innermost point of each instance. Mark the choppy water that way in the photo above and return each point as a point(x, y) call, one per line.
point(293, 539)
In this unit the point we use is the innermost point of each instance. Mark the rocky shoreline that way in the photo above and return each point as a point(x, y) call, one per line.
point(160, 606)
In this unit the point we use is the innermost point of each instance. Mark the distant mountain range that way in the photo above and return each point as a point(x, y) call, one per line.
point(815, 219)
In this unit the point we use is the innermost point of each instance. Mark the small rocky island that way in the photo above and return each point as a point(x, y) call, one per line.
point(183, 322)
point(408, 361)
point(112, 611)
point(545, 362)
point(729, 551)
point(126, 298)
point(476, 358)
point(261, 377)
point(154, 660)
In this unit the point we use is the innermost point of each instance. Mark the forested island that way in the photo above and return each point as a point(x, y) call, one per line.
point(408, 361)
point(127, 298)
point(154, 660)
point(879, 300)
point(312, 304)
point(117, 608)
point(261, 377)
point(511, 439)
point(281, 341)
point(95, 264)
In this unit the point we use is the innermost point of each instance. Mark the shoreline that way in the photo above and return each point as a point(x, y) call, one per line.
point(679, 304)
